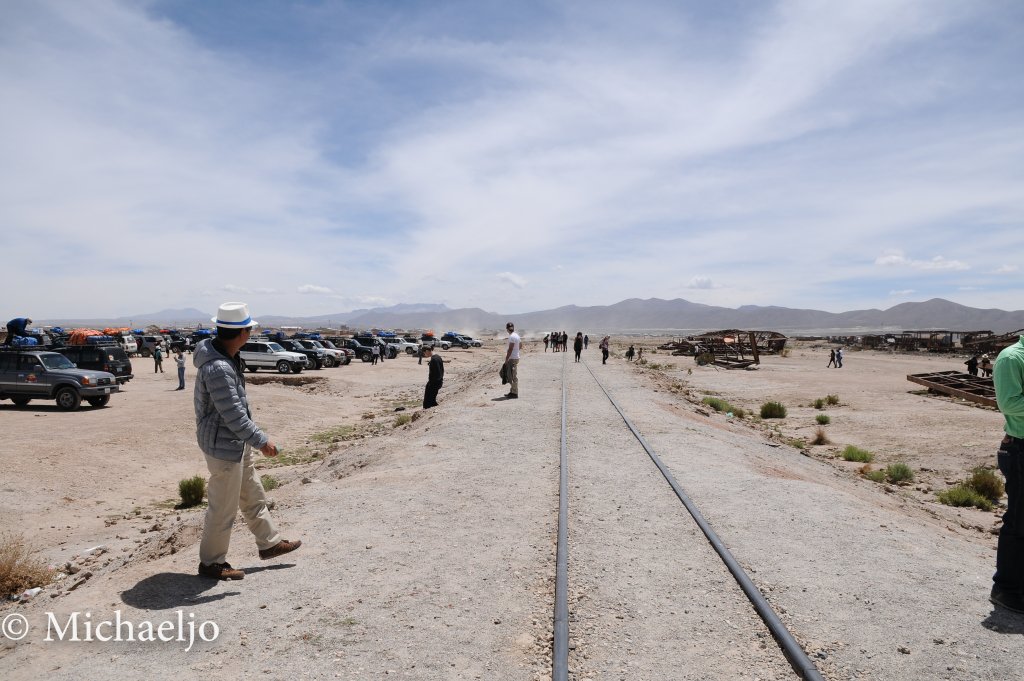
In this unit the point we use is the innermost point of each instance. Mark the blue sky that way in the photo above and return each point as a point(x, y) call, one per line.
point(316, 157)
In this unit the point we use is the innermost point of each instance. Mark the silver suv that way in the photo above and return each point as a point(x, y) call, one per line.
point(27, 375)
point(270, 355)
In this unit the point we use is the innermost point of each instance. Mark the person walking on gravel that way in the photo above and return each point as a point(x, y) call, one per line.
point(227, 435)
point(435, 378)
point(831, 358)
point(577, 345)
point(604, 349)
point(512, 361)
point(158, 360)
point(1008, 581)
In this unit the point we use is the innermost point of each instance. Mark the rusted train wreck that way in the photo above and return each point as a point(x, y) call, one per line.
point(730, 348)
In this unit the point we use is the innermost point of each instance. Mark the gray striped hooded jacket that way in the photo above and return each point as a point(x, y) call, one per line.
point(223, 421)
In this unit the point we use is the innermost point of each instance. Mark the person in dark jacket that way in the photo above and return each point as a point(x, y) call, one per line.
point(435, 377)
point(16, 327)
point(227, 435)
point(972, 365)
point(577, 345)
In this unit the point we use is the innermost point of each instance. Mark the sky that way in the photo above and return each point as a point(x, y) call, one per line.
point(317, 157)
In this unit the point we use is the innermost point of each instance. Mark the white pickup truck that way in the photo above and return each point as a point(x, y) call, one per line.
point(270, 355)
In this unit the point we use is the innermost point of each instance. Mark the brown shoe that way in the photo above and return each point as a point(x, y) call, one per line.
point(220, 571)
point(279, 549)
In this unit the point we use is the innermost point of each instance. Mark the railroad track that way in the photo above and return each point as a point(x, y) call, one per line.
point(632, 550)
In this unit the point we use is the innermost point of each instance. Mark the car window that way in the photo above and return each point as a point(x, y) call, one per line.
point(27, 362)
point(56, 361)
point(8, 362)
point(274, 347)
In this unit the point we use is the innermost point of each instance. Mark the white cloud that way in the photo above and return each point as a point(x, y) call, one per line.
point(312, 288)
point(903, 293)
point(513, 279)
point(936, 263)
point(1005, 269)
point(701, 283)
point(234, 288)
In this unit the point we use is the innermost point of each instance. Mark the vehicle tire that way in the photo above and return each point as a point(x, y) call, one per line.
point(297, 368)
point(21, 401)
point(410, 351)
point(251, 369)
point(366, 356)
point(68, 399)
point(145, 352)
point(328, 362)
point(100, 401)
point(284, 367)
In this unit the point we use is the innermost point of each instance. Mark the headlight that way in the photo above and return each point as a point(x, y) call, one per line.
point(85, 380)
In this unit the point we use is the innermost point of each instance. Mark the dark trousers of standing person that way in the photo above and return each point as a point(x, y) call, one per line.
point(430, 396)
point(181, 378)
point(374, 360)
point(839, 362)
point(1010, 552)
point(604, 355)
point(578, 355)
point(158, 365)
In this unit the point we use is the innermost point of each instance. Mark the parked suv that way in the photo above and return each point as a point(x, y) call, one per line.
point(334, 357)
point(370, 341)
point(110, 358)
point(147, 344)
point(435, 342)
point(455, 339)
point(270, 355)
point(314, 358)
point(27, 375)
point(346, 354)
point(363, 353)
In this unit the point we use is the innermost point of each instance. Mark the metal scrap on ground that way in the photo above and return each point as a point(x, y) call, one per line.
point(958, 384)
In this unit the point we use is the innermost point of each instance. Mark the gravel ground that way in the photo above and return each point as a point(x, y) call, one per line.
point(429, 554)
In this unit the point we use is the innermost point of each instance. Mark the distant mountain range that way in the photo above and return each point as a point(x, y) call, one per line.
point(633, 315)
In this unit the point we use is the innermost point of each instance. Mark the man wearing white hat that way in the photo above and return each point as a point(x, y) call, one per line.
point(227, 436)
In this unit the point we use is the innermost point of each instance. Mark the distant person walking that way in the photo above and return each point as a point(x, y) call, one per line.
point(1008, 581)
point(831, 358)
point(423, 347)
point(839, 358)
point(227, 435)
point(586, 342)
point(565, 342)
point(179, 360)
point(577, 345)
point(986, 366)
point(639, 355)
point(375, 353)
point(158, 360)
point(604, 350)
point(972, 365)
point(16, 327)
point(435, 378)
point(547, 339)
point(512, 361)
point(630, 354)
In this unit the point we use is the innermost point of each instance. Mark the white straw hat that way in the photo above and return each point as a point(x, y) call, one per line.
point(234, 316)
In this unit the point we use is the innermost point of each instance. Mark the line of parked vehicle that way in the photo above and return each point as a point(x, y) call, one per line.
point(69, 368)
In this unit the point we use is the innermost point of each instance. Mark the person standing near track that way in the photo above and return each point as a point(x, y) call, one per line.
point(1008, 581)
point(604, 349)
point(227, 435)
point(435, 377)
point(512, 361)
point(577, 345)
point(179, 361)
point(158, 360)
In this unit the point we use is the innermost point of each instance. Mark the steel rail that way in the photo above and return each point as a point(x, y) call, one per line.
point(799, 660)
point(560, 641)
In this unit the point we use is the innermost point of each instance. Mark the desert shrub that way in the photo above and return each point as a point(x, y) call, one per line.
point(823, 419)
point(985, 482)
point(797, 443)
point(773, 410)
point(852, 453)
point(785, 352)
point(402, 419)
point(832, 399)
point(819, 403)
point(820, 437)
point(269, 482)
point(739, 412)
point(962, 495)
point(192, 491)
point(899, 472)
point(18, 569)
point(717, 403)
point(874, 476)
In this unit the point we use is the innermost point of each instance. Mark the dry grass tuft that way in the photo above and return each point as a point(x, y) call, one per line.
point(19, 570)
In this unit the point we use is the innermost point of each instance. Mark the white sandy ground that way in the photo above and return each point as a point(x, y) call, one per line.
point(429, 550)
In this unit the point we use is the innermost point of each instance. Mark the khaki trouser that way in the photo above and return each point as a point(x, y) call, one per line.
point(513, 376)
point(234, 485)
